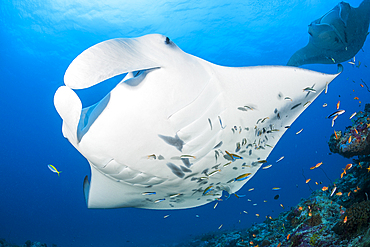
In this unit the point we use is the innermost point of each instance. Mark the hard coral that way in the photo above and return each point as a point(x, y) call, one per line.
point(355, 140)
point(358, 218)
point(314, 220)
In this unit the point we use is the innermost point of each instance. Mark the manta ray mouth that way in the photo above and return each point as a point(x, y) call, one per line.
point(91, 113)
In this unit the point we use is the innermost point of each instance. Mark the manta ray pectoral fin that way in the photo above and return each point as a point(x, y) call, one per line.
point(108, 59)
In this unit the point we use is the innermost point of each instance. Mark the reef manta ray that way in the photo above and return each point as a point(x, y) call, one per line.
point(178, 130)
point(335, 37)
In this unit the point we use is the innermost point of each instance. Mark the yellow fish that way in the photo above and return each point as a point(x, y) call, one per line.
point(53, 169)
point(242, 177)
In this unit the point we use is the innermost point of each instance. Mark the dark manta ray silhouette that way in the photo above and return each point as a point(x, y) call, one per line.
point(335, 37)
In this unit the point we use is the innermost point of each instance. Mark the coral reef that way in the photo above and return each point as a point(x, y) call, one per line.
point(28, 243)
point(316, 221)
point(355, 140)
point(338, 216)
point(357, 218)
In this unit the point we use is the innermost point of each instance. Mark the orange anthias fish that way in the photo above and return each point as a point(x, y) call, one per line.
point(324, 188)
point(345, 220)
point(308, 180)
point(339, 193)
point(336, 136)
point(287, 237)
point(348, 166)
point(316, 166)
point(338, 105)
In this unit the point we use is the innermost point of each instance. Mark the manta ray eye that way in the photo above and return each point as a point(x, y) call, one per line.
point(168, 41)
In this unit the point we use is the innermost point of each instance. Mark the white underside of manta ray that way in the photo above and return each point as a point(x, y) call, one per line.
point(178, 130)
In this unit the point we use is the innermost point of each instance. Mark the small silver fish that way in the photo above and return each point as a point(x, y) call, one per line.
point(208, 190)
point(305, 104)
point(244, 141)
point(263, 120)
point(152, 156)
point(333, 120)
point(148, 193)
point(309, 89)
point(175, 195)
point(210, 123)
point(227, 164)
point(288, 98)
point(222, 127)
point(218, 145)
point(266, 167)
point(299, 132)
point(250, 107)
point(213, 173)
point(282, 157)
point(353, 114)
point(159, 200)
point(337, 113)
point(332, 192)
point(187, 156)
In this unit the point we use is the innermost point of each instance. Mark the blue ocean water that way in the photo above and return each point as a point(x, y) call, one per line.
point(38, 40)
